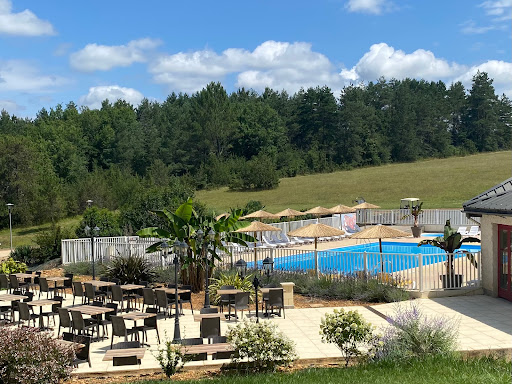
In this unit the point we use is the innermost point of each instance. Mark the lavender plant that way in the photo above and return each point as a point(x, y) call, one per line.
point(28, 356)
point(414, 334)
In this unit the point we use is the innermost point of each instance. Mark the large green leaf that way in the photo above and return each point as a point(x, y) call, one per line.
point(185, 210)
point(154, 232)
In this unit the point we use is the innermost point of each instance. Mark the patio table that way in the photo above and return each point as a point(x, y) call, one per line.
point(92, 310)
point(230, 293)
point(25, 275)
point(99, 283)
point(124, 352)
point(131, 287)
point(210, 349)
point(41, 304)
point(200, 316)
point(9, 297)
point(172, 291)
point(135, 316)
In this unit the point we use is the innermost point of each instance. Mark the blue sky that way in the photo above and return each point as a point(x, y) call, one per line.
point(55, 52)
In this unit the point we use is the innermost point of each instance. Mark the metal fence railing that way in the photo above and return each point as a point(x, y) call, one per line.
point(418, 272)
point(427, 217)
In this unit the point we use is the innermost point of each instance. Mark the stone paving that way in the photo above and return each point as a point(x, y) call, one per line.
point(485, 323)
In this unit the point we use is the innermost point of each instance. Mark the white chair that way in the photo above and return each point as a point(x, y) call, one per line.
point(270, 242)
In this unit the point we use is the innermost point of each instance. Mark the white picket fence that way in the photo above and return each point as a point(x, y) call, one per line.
point(417, 272)
point(427, 217)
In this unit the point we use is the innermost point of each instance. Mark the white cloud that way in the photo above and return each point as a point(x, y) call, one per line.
point(17, 75)
point(282, 64)
point(111, 92)
point(499, 71)
point(96, 57)
point(375, 7)
point(499, 9)
point(470, 28)
point(384, 60)
point(24, 23)
point(10, 106)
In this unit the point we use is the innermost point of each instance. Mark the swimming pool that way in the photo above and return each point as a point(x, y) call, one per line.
point(350, 259)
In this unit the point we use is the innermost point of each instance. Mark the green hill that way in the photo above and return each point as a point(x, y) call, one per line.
point(440, 183)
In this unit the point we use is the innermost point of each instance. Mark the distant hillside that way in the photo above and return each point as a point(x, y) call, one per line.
point(440, 183)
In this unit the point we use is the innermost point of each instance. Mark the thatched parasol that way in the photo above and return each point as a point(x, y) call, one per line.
point(340, 208)
point(379, 232)
point(319, 211)
point(288, 212)
point(365, 205)
point(261, 214)
point(316, 231)
point(258, 226)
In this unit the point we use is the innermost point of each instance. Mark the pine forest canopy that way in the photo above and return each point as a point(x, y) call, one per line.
point(133, 160)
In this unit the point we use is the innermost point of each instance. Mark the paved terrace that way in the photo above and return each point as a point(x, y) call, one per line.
point(484, 324)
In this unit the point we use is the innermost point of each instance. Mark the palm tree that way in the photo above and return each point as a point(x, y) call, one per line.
point(450, 242)
point(185, 225)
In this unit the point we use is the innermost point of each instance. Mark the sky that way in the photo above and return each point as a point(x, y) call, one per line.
point(54, 52)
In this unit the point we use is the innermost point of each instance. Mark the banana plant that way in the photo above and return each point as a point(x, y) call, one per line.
point(415, 211)
point(184, 225)
point(450, 242)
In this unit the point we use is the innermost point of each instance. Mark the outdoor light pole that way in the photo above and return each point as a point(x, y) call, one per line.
point(256, 284)
point(179, 249)
point(204, 249)
point(9, 206)
point(92, 233)
point(268, 267)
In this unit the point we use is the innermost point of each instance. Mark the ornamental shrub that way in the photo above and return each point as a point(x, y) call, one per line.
point(28, 356)
point(416, 335)
point(348, 330)
point(11, 266)
point(230, 278)
point(130, 269)
point(170, 358)
point(261, 344)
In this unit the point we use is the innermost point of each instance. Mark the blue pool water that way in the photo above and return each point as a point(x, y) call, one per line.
point(432, 234)
point(395, 257)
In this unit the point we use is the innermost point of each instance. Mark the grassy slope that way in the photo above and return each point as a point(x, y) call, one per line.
point(27, 235)
point(430, 371)
point(440, 183)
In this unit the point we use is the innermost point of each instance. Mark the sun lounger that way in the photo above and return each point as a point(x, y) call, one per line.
point(280, 242)
point(463, 231)
point(474, 230)
point(271, 242)
point(290, 242)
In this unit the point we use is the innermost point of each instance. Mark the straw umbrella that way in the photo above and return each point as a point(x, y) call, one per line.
point(291, 213)
point(341, 209)
point(316, 230)
point(364, 206)
point(261, 214)
point(258, 226)
point(379, 232)
point(319, 211)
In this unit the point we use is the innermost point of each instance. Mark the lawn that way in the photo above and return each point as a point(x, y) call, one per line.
point(440, 183)
point(428, 371)
point(27, 235)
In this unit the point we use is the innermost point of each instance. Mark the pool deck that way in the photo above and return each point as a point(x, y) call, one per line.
point(484, 325)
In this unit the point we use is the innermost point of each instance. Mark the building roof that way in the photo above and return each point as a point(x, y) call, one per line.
point(497, 200)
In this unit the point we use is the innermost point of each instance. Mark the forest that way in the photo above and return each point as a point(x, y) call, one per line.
point(132, 159)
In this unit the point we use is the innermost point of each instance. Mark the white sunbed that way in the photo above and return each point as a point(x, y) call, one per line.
point(281, 242)
point(291, 241)
point(474, 231)
point(268, 243)
point(463, 231)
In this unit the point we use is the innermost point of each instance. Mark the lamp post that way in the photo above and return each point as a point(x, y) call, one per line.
point(179, 250)
point(241, 267)
point(256, 284)
point(268, 266)
point(204, 250)
point(92, 233)
point(9, 206)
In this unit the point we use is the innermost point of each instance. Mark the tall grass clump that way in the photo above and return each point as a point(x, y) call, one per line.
point(413, 334)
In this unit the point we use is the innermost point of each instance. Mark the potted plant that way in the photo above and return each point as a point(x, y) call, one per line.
point(450, 242)
point(415, 211)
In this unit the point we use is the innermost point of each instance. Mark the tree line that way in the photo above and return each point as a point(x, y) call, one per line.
point(132, 159)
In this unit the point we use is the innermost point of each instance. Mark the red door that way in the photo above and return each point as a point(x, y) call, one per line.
point(504, 258)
